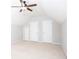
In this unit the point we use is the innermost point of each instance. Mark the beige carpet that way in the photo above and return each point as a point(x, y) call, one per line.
point(34, 50)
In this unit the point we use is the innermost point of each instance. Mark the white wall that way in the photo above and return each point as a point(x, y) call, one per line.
point(64, 36)
point(16, 32)
point(18, 18)
point(57, 32)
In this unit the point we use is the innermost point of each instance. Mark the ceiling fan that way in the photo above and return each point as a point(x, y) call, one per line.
point(24, 4)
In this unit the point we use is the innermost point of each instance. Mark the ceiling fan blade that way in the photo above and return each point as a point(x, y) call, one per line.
point(16, 6)
point(20, 10)
point(31, 5)
point(29, 9)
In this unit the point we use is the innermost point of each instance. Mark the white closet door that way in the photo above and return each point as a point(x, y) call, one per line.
point(34, 31)
point(47, 31)
point(26, 33)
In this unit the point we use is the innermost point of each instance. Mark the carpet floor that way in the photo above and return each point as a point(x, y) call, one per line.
point(36, 50)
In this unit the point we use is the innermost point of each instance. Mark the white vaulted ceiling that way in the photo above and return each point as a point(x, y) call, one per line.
point(54, 9)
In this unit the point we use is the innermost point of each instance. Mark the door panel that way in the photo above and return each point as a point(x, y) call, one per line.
point(39, 31)
point(26, 33)
point(47, 30)
point(34, 31)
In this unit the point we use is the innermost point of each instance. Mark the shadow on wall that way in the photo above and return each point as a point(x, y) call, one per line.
point(64, 36)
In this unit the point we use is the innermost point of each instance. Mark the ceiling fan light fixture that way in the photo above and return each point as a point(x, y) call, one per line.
point(25, 6)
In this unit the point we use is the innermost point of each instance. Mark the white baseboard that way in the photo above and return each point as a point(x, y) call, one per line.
point(46, 42)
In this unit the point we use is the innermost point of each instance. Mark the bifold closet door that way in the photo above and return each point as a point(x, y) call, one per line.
point(26, 32)
point(47, 31)
point(39, 31)
point(34, 31)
